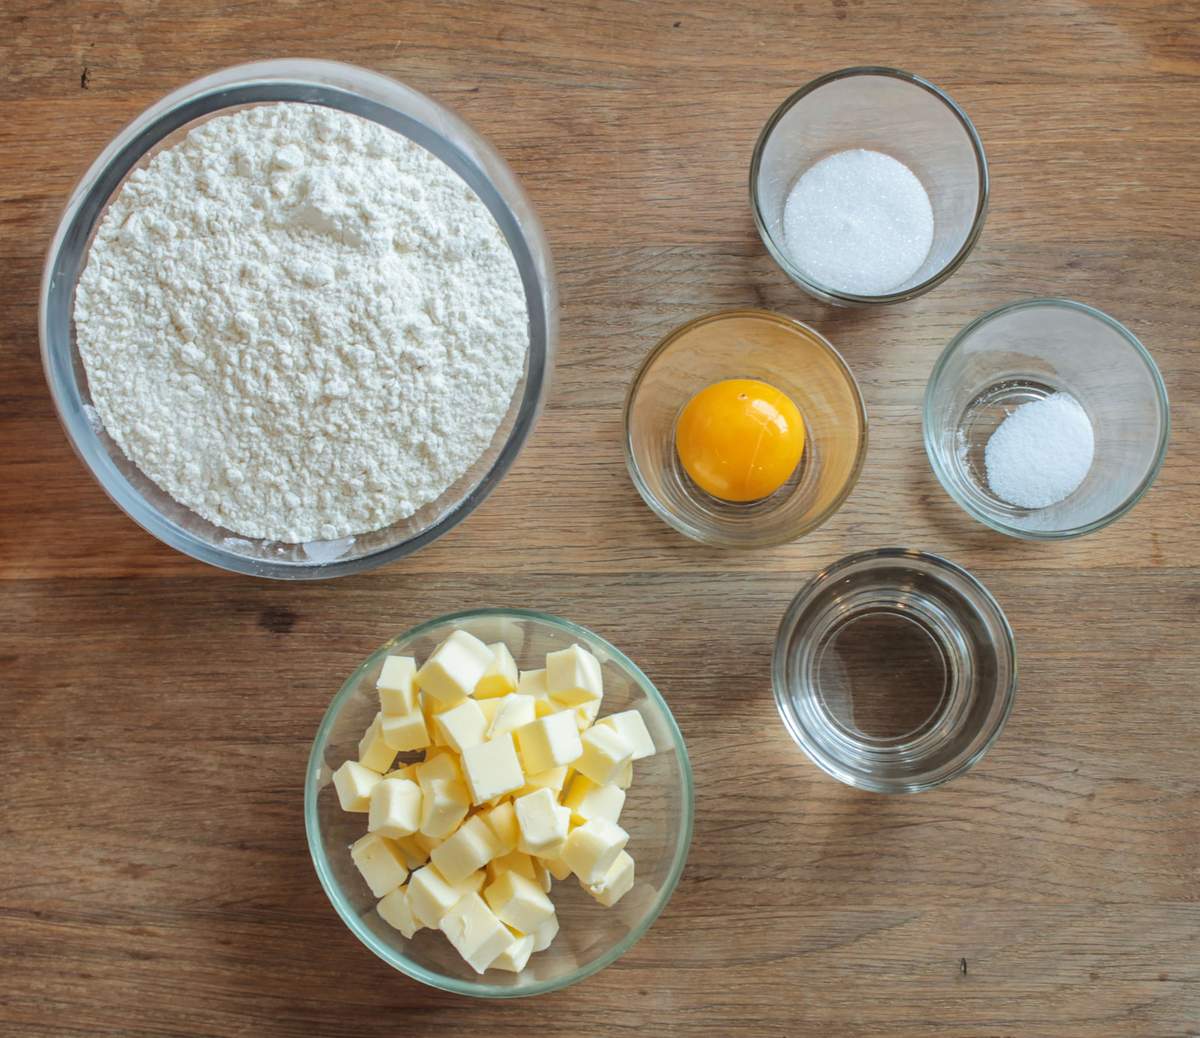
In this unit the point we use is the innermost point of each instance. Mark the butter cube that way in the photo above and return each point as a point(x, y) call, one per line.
point(545, 934)
point(592, 848)
point(541, 874)
point(395, 910)
point(544, 706)
point(501, 676)
point(467, 851)
point(557, 868)
point(624, 777)
point(585, 715)
point(409, 771)
point(431, 895)
point(543, 822)
point(573, 676)
point(379, 861)
point(548, 742)
point(502, 820)
point(438, 764)
point(515, 957)
point(414, 854)
point(553, 780)
point(631, 725)
point(492, 768)
point(514, 861)
point(617, 881)
point(518, 901)
point(455, 667)
point(397, 685)
point(477, 935)
point(533, 683)
point(605, 754)
point(395, 808)
point(354, 783)
point(462, 725)
point(515, 710)
point(404, 731)
point(373, 752)
point(588, 801)
point(444, 804)
point(426, 843)
point(490, 708)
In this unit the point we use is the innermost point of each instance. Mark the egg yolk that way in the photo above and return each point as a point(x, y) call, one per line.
point(740, 439)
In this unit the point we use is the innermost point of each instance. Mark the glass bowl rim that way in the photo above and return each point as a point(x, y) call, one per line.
point(787, 626)
point(481, 989)
point(334, 77)
point(779, 255)
point(1160, 390)
point(757, 313)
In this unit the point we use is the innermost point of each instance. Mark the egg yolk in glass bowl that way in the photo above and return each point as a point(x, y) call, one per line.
point(740, 439)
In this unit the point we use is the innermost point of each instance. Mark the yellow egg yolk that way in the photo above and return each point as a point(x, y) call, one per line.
point(740, 439)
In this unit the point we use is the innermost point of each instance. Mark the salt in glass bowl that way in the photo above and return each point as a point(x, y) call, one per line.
point(884, 110)
point(1026, 351)
point(894, 670)
point(657, 815)
point(370, 96)
point(755, 344)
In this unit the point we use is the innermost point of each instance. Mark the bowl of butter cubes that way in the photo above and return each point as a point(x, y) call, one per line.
point(498, 803)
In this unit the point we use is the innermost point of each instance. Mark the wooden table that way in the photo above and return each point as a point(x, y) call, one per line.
point(154, 878)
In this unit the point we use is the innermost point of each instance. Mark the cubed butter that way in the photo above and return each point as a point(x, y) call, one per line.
point(454, 668)
point(414, 854)
point(373, 752)
point(518, 901)
point(492, 768)
point(501, 676)
point(588, 800)
point(592, 848)
point(403, 732)
point(438, 764)
point(585, 715)
point(409, 771)
point(426, 843)
point(573, 676)
point(444, 805)
point(515, 957)
point(605, 754)
point(395, 808)
point(553, 780)
point(543, 823)
point(514, 861)
point(380, 862)
point(502, 820)
point(557, 868)
point(533, 683)
point(549, 742)
point(462, 725)
point(395, 910)
point(490, 708)
point(471, 847)
point(477, 935)
point(431, 895)
point(545, 934)
point(354, 783)
point(617, 881)
point(515, 710)
point(624, 777)
point(397, 685)
point(632, 725)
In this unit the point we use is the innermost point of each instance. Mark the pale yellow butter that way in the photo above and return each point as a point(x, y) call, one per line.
point(492, 768)
point(617, 881)
point(592, 848)
point(471, 847)
point(501, 676)
point(477, 935)
point(462, 725)
point(605, 754)
point(395, 808)
point(380, 863)
point(455, 667)
point(574, 676)
point(588, 800)
point(397, 685)
point(548, 742)
point(632, 725)
point(403, 732)
point(444, 805)
point(373, 752)
point(543, 823)
point(354, 783)
point(515, 710)
point(396, 910)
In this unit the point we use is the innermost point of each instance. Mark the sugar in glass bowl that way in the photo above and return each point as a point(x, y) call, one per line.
point(370, 96)
point(657, 815)
point(881, 110)
point(1027, 351)
point(751, 344)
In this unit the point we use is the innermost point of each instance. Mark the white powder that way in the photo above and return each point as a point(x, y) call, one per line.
point(300, 324)
point(858, 221)
point(1040, 453)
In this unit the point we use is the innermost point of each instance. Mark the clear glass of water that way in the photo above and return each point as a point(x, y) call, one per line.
point(889, 111)
point(1027, 351)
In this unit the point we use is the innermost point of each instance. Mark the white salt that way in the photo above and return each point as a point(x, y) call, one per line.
point(1040, 453)
point(858, 221)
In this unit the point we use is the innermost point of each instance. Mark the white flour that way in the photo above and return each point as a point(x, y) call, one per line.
point(300, 324)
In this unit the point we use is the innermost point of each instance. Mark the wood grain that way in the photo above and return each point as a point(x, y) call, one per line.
point(154, 879)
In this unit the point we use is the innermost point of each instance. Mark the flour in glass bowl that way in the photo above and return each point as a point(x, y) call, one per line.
point(300, 324)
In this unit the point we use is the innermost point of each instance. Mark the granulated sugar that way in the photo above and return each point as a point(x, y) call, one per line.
point(858, 221)
point(300, 324)
point(1040, 454)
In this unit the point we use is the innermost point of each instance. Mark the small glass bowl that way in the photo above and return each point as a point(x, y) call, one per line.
point(370, 96)
point(894, 670)
point(657, 815)
point(1027, 351)
point(884, 110)
point(746, 344)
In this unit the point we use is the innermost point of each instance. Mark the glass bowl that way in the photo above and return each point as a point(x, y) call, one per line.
point(1027, 351)
point(884, 110)
point(894, 670)
point(657, 815)
point(370, 96)
point(746, 344)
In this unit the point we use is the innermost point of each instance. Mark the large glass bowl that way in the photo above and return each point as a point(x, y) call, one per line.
point(371, 96)
point(657, 815)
